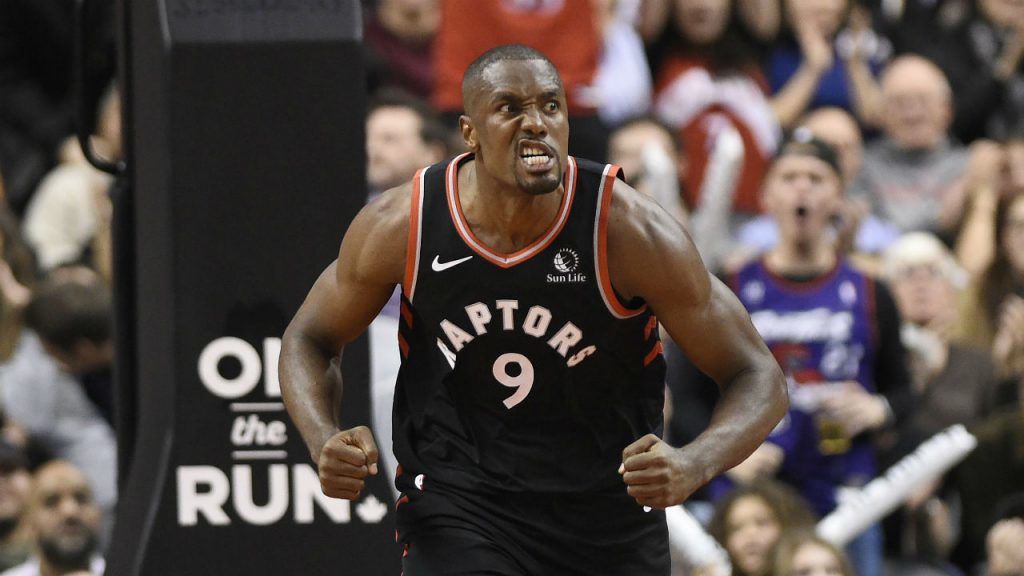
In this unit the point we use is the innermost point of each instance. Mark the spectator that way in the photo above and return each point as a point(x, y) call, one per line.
point(648, 153)
point(72, 313)
point(998, 173)
point(709, 84)
point(992, 311)
point(979, 46)
point(834, 331)
point(622, 85)
point(65, 522)
point(51, 405)
point(36, 107)
point(749, 521)
point(804, 554)
point(399, 40)
point(854, 227)
point(912, 176)
point(15, 484)
point(403, 135)
point(990, 484)
point(811, 71)
point(1005, 553)
point(952, 384)
point(566, 31)
point(68, 219)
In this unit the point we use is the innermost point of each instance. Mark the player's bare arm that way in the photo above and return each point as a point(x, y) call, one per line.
point(342, 303)
point(651, 256)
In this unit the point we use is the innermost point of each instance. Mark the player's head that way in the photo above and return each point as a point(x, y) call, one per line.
point(516, 121)
point(750, 520)
point(803, 188)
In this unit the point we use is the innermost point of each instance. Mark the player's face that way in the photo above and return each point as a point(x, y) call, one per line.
point(517, 125)
point(802, 193)
point(752, 532)
point(812, 559)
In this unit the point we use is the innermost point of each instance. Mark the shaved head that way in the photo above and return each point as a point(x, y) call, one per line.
point(917, 103)
point(475, 75)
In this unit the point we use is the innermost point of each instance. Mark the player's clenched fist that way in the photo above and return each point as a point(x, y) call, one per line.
point(656, 474)
point(345, 460)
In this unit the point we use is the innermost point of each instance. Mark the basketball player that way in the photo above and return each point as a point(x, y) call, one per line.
point(528, 406)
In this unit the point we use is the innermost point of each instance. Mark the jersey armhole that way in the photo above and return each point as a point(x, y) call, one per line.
point(612, 301)
point(412, 252)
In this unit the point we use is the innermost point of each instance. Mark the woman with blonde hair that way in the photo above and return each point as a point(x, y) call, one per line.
point(749, 521)
point(804, 553)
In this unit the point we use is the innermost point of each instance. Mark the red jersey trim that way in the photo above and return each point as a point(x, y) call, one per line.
point(498, 258)
point(653, 354)
point(604, 284)
point(412, 252)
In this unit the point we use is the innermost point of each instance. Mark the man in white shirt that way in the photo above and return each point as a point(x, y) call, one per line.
point(66, 522)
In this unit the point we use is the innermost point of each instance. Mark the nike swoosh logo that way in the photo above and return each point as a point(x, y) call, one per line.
point(438, 266)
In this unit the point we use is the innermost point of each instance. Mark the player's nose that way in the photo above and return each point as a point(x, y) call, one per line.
point(533, 122)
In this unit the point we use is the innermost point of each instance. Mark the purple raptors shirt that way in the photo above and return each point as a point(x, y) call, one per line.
point(823, 333)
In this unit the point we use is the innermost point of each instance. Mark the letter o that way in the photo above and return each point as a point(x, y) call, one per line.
point(240, 385)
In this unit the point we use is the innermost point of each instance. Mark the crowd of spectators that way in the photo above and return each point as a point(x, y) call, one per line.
point(873, 147)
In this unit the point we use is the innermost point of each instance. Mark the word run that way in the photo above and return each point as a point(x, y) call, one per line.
point(207, 494)
point(536, 323)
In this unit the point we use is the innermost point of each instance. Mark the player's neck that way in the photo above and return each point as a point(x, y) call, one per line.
point(801, 258)
point(504, 218)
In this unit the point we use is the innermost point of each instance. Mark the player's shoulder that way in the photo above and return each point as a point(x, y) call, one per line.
point(388, 214)
point(636, 217)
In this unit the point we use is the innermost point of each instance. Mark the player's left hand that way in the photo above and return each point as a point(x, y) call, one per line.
point(658, 475)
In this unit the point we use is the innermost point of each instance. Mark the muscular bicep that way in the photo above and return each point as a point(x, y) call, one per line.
point(652, 257)
point(353, 289)
point(716, 335)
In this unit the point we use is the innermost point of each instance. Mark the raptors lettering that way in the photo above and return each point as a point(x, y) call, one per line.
point(535, 323)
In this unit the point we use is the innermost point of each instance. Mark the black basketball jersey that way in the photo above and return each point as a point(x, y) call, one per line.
point(521, 372)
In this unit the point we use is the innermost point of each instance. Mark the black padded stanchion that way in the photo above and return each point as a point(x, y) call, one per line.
point(245, 157)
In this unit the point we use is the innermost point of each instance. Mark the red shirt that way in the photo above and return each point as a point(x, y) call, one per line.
point(564, 30)
point(700, 105)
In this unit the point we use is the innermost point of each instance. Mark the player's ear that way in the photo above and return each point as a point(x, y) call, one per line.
point(468, 132)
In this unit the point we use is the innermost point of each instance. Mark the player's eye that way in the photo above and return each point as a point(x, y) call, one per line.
point(551, 106)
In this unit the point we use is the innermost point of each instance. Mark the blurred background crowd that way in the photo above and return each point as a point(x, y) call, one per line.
point(914, 110)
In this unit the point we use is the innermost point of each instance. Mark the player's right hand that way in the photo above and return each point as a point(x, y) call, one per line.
point(345, 460)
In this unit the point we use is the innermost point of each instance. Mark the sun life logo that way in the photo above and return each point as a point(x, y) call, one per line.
point(567, 260)
point(567, 263)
